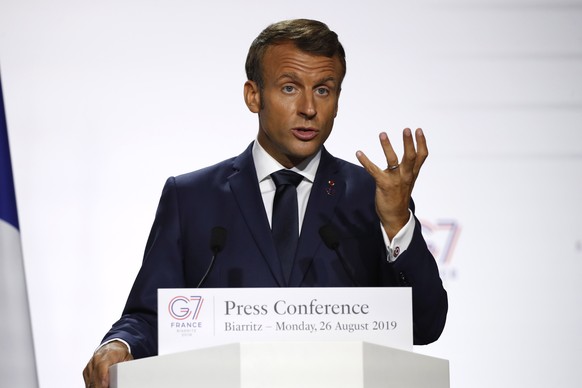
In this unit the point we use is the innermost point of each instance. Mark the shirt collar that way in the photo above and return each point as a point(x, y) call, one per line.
point(265, 164)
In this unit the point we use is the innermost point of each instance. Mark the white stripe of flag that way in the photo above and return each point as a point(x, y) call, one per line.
point(17, 361)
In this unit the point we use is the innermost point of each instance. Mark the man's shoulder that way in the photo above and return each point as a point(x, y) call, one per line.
point(218, 172)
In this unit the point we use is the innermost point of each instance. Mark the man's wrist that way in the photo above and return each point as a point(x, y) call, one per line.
point(401, 240)
point(114, 340)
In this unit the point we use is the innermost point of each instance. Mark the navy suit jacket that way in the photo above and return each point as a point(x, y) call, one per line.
point(227, 194)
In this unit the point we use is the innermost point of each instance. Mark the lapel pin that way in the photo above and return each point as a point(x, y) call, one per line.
point(330, 189)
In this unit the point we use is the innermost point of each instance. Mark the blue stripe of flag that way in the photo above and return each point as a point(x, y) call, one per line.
point(7, 197)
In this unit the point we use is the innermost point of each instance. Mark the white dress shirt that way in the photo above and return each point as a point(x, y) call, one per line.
point(265, 165)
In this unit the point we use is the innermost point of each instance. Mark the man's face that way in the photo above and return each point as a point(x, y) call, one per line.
point(298, 103)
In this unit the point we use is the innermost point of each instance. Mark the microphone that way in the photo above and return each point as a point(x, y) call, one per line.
point(330, 237)
point(217, 242)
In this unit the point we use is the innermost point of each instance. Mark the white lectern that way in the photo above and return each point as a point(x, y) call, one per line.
point(285, 365)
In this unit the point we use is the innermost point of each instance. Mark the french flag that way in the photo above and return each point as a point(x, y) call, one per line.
point(17, 361)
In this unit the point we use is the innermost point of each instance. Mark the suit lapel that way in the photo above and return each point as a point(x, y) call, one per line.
point(245, 188)
point(328, 188)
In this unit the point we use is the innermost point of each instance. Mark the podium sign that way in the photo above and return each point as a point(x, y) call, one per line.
point(199, 318)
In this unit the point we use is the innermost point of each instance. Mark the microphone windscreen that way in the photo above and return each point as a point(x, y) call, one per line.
point(329, 236)
point(217, 239)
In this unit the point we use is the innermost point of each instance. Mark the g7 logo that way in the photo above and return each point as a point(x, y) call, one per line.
point(441, 239)
point(182, 307)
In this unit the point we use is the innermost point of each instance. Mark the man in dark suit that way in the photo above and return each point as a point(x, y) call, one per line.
point(372, 238)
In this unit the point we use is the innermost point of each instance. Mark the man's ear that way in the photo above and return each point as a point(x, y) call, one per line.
point(252, 94)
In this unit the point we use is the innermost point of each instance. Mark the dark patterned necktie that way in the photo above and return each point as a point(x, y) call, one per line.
point(285, 222)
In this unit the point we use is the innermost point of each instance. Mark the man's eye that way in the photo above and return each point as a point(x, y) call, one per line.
point(322, 91)
point(288, 89)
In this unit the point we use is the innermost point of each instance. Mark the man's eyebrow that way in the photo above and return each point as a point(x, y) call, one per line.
point(326, 79)
point(295, 78)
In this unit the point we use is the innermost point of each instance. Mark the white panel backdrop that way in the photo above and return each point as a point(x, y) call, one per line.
point(106, 99)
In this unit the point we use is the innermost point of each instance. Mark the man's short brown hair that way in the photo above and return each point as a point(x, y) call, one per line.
point(311, 36)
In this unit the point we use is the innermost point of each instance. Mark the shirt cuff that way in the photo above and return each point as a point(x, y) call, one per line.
point(401, 241)
point(114, 339)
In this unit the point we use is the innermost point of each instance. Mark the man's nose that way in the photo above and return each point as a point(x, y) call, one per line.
point(307, 107)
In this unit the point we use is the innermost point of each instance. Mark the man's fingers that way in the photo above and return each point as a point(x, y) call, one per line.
point(86, 374)
point(409, 157)
point(389, 153)
point(412, 159)
point(96, 373)
point(370, 167)
point(101, 376)
point(421, 152)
